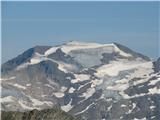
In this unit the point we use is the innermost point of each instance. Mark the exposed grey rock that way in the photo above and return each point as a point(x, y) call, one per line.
point(157, 65)
point(24, 57)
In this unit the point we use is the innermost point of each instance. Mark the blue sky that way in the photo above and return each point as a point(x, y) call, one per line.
point(27, 24)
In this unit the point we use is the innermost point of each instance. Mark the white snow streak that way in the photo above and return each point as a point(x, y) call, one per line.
point(84, 109)
point(50, 51)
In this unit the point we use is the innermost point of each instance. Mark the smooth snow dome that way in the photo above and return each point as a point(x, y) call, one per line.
point(92, 52)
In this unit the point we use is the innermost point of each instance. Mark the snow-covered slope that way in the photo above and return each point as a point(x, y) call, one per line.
point(89, 80)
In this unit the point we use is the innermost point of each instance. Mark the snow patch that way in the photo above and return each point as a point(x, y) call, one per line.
point(50, 51)
point(153, 82)
point(63, 89)
point(37, 58)
point(24, 106)
point(88, 93)
point(109, 108)
point(123, 105)
point(37, 102)
point(140, 119)
point(67, 107)
point(96, 82)
point(152, 107)
point(58, 94)
point(71, 90)
point(10, 78)
point(28, 84)
point(19, 86)
point(7, 99)
point(80, 78)
point(154, 90)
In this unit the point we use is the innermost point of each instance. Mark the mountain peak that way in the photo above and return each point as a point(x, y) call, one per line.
point(75, 49)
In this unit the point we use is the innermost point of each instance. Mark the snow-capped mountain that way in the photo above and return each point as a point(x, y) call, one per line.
point(88, 80)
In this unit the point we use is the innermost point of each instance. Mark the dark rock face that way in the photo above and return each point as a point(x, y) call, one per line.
point(135, 54)
point(59, 55)
point(89, 81)
point(46, 114)
point(157, 65)
point(24, 57)
point(109, 57)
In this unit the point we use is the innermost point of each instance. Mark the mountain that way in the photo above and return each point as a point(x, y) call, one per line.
point(90, 81)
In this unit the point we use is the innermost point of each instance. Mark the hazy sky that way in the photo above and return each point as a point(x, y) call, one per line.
point(26, 24)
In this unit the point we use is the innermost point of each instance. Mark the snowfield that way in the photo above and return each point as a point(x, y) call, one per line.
point(115, 67)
